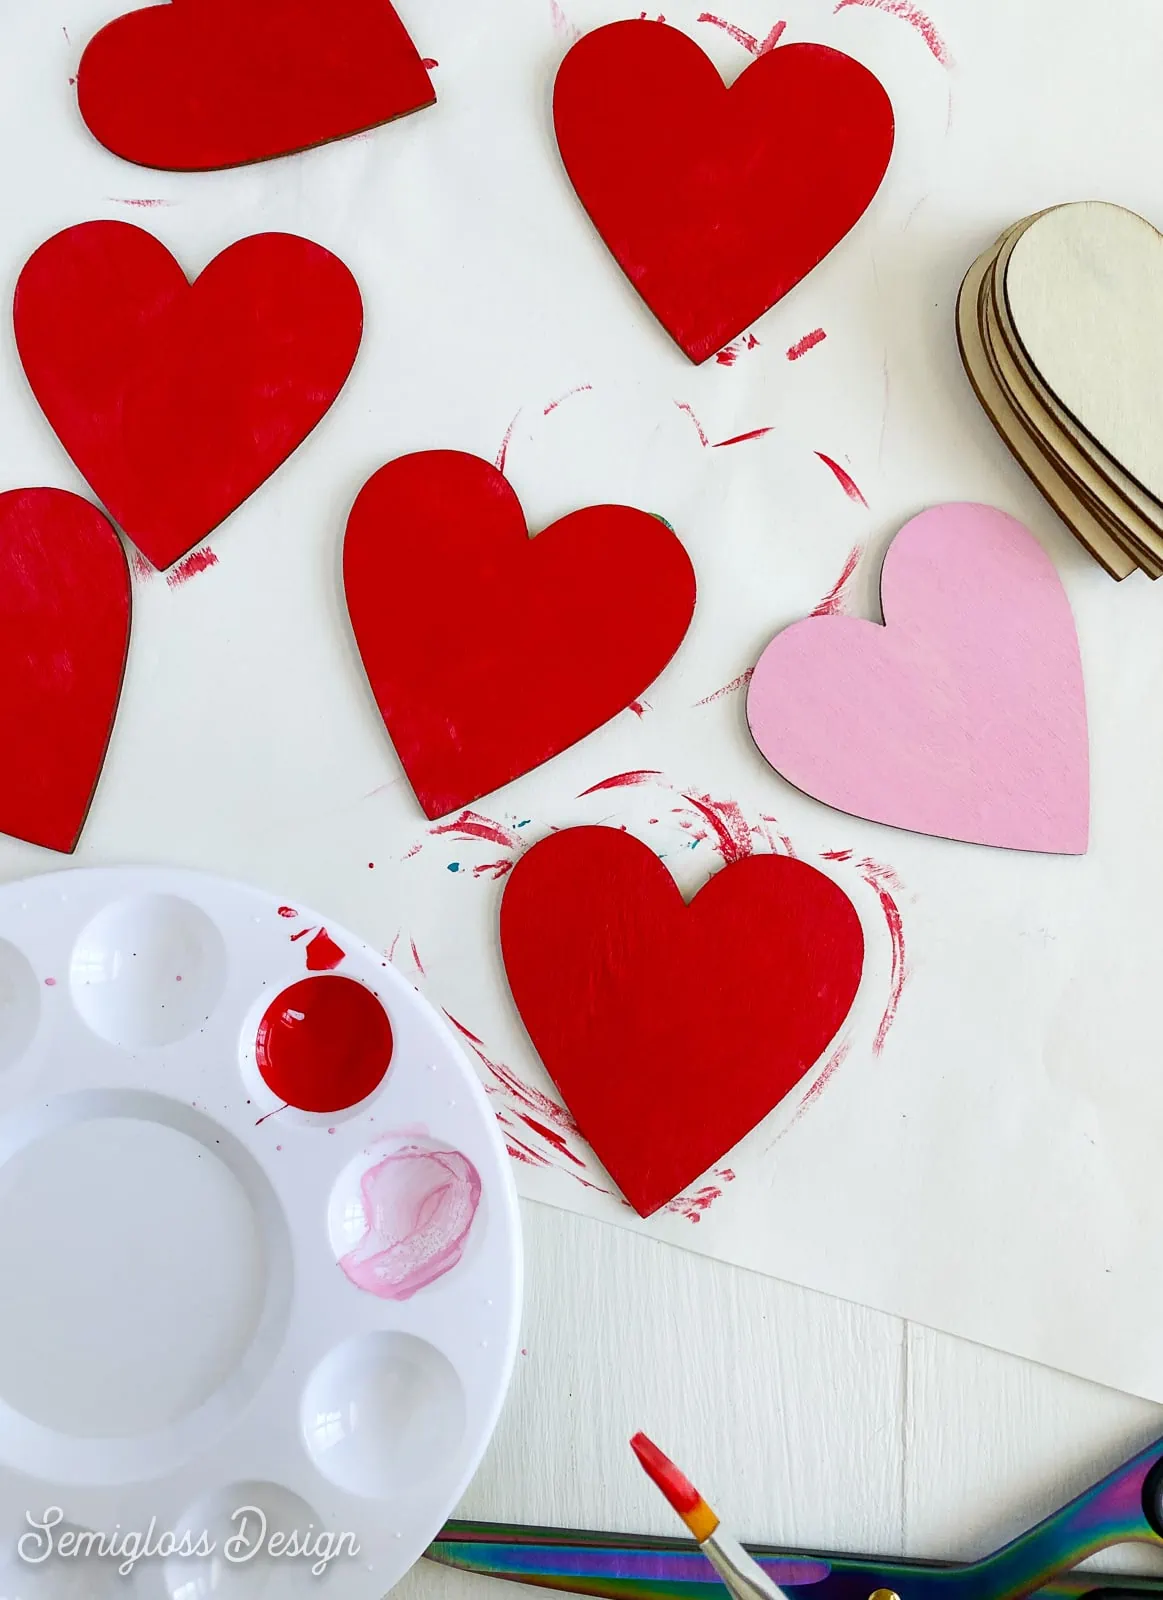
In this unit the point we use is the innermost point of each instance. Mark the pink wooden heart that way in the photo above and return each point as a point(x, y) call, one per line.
point(963, 716)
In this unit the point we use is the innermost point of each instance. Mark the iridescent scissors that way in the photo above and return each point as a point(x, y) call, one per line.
point(1126, 1506)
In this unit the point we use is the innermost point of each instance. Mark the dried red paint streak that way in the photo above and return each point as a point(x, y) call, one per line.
point(622, 780)
point(834, 1062)
point(551, 1136)
point(190, 566)
point(914, 16)
point(496, 869)
point(503, 452)
point(414, 851)
point(581, 388)
point(323, 954)
point(749, 42)
point(695, 1204)
point(836, 855)
point(808, 342)
point(416, 959)
point(731, 828)
point(735, 684)
point(259, 1122)
point(525, 1156)
point(882, 881)
point(769, 826)
point(142, 205)
point(689, 410)
point(844, 479)
point(392, 947)
point(640, 707)
point(140, 567)
point(833, 602)
point(287, 911)
point(730, 353)
point(472, 825)
point(562, 26)
point(741, 438)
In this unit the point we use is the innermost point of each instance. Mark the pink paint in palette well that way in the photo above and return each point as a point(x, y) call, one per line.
point(418, 1208)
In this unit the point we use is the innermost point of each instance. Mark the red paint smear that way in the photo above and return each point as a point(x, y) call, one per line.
point(145, 205)
point(428, 62)
point(472, 825)
point(416, 959)
point(562, 26)
point(622, 780)
point(808, 342)
point(640, 707)
point(911, 14)
point(302, 934)
point(883, 880)
point(833, 602)
point(557, 1140)
point(324, 1044)
point(140, 567)
point(503, 452)
point(767, 825)
point(683, 405)
point(460, 1028)
point(414, 851)
point(732, 830)
point(268, 1116)
point(582, 388)
point(730, 353)
point(323, 954)
point(834, 1062)
point(741, 438)
point(497, 869)
point(772, 39)
point(678, 1490)
point(844, 479)
point(392, 950)
point(287, 911)
point(836, 855)
point(529, 1158)
point(747, 40)
point(189, 566)
point(740, 682)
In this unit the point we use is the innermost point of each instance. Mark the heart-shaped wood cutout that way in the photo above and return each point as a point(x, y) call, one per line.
point(177, 400)
point(714, 201)
point(1084, 286)
point(963, 716)
point(489, 652)
point(64, 635)
point(671, 1030)
point(199, 84)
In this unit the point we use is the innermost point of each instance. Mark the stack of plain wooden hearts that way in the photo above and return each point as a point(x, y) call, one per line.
point(1060, 325)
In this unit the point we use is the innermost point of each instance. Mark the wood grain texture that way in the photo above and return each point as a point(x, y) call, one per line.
point(714, 201)
point(487, 651)
point(64, 636)
point(1085, 290)
point(177, 400)
point(964, 715)
point(671, 1030)
point(195, 85)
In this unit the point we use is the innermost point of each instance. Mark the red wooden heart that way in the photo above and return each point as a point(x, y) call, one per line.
point(64, 634)
point(487, 651)
point(671, 1030)
point(716, 202)
point(199, 84)
point(176, 400)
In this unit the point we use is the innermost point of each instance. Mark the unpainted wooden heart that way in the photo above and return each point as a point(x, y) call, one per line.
point(487, 651)
point(672, 1029)
point(1084, 286)
point(177, 400)
point(64, 635)
point(963, 716)
point(199, 84)
point(715, 201)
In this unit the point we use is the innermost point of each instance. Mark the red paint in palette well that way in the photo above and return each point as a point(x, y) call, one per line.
point(324, 1044)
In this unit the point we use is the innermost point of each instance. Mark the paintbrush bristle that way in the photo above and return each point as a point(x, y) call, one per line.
point(678, 1489)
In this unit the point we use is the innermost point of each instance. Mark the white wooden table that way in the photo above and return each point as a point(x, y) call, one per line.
point(806, 1420)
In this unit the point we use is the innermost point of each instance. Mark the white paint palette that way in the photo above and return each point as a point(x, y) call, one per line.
point(1060, 325)
point(258, 1239)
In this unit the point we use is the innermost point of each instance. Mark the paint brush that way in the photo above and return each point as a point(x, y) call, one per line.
point(742, 1576)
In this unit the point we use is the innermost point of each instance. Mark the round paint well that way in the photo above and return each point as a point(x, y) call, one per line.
point(19, 1004)
point(382, 1414)
point(324, 1044)
point(135, 1275)
point(44, 1574)
point(250, 1526)
point(147, 971)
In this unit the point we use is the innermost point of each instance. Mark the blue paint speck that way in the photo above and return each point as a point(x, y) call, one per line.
point(454, 866)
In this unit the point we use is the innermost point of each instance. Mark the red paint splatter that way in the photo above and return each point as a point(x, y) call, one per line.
point(416, 959)
point(189, 566)
point(428, 62)
point(50, 983)
point(323, 954)
point(731, 829)
point(684, 405)
point(844, 479)
point(140, 567)
point(911, 14)
point(582, 388)
point(740, 682)
point(302, 934)
point(883, 881)
point(730, 353)
point(622, 780)
point(808, 342)
point(324, 1044)
point(694, 1205)
point(832, 603)
point(287, 911)
point(741, 438)
point(562, 26)
point(496, 869)
point(640, 707)
point(145, 205)
point(503, 452)
point(472, 825)
point(414, 851)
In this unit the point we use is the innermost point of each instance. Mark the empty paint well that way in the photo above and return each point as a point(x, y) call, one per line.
point(324, 1044)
